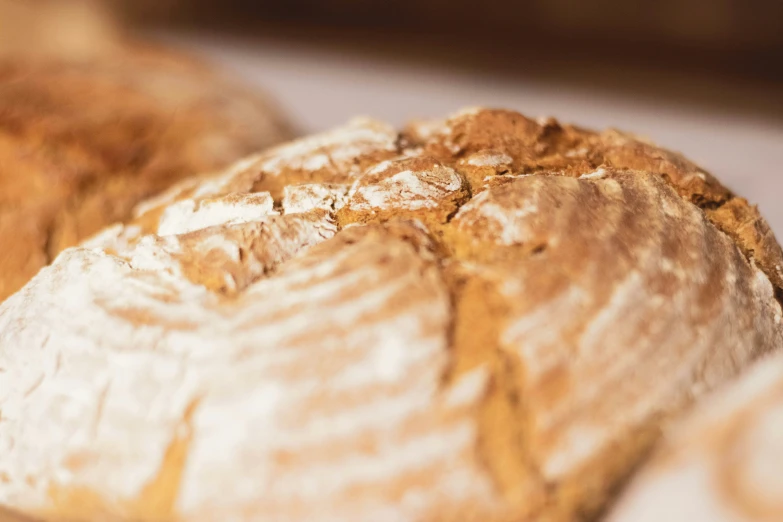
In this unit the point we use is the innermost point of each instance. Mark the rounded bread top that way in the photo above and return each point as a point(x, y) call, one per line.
point(487, 317)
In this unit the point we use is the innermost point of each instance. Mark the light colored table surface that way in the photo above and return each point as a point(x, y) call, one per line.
point(324, 86)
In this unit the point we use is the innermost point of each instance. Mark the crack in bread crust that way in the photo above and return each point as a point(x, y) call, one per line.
point(466, 320)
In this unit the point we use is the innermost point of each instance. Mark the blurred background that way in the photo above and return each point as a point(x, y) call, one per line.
point(704, 77)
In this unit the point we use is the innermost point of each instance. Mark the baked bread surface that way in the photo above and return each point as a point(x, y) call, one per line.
point(83, 140)
point(482, 318)
point(722, 463)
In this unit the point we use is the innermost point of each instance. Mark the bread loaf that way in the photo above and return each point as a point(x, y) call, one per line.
point(83, 140)
point(485, 318)
point(723, 463)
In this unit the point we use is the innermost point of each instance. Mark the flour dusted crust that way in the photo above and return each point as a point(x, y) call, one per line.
point(722, 463)
point(82, 141)
point(485, 318)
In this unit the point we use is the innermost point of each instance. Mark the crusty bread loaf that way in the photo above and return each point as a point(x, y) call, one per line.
point(483, 318)
point(724, 463)
point(84, 140)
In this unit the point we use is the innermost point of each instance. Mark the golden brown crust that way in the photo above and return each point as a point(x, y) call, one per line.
point(487, 318)
point(81, 142)
point(551, 148)
point(743, 222)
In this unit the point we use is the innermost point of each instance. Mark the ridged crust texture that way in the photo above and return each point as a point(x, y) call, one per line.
point(82, 141)
point(484, 318)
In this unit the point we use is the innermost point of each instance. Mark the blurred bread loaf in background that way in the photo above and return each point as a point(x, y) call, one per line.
point(92, 121)
point(66, 28)
point(722, 463)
